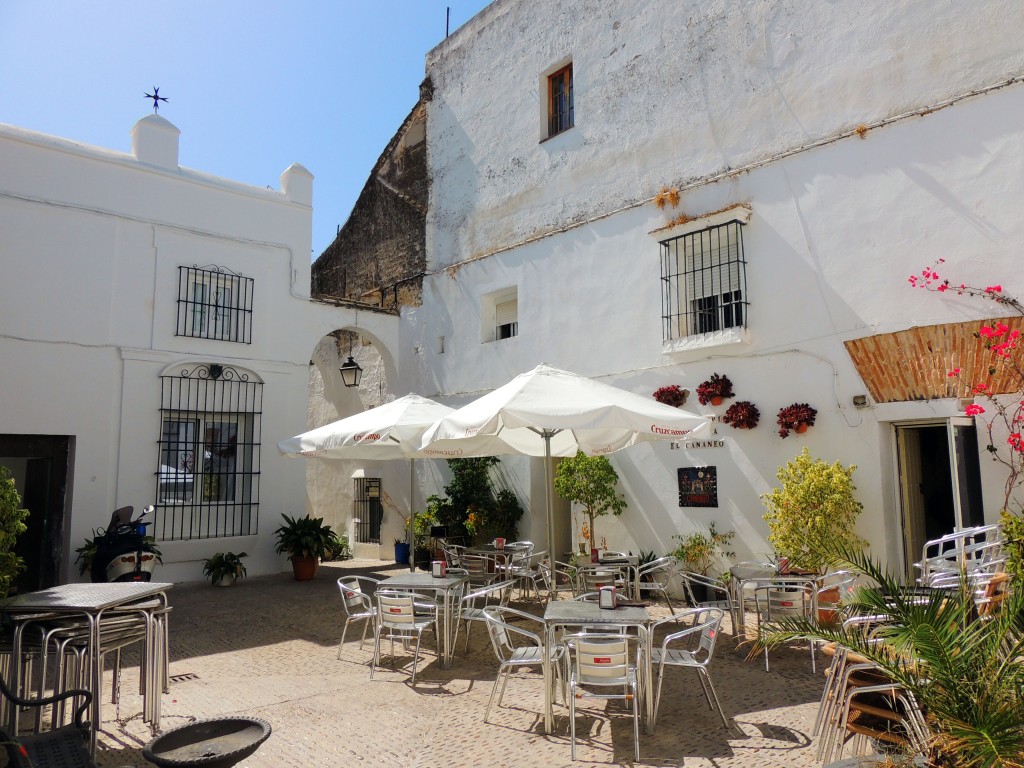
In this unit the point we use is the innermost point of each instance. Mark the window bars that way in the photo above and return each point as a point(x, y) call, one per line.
point(207, 478)
point(214, 303)
point(704, 281)
point(367, 509)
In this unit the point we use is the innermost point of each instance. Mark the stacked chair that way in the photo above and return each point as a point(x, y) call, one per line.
point(861, 704)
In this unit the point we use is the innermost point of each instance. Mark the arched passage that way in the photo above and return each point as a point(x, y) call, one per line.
point(343, 491)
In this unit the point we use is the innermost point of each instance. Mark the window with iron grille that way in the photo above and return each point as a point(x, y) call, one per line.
point(560, 106)
point(209, 453)
point(214, 303)
point(704, 281)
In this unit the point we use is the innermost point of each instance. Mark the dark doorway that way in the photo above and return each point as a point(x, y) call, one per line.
point(940, 482)
point(41, 467)
point(367, 509)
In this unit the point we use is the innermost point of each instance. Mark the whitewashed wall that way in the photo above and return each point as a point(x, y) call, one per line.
point(91, 241)
point(676, 95)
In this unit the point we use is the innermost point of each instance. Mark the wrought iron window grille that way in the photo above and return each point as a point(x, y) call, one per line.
point(214, 303)
point(704, 281)
point(208, 467)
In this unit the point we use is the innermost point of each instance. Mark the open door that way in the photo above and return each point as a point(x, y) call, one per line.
point(940, 481)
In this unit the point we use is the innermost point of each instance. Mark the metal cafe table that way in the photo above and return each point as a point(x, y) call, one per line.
point(446, 586)
point(93, 602)
point(580, 613)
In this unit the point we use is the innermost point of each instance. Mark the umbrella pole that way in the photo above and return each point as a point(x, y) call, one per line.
point(410, 536)
point(548, 501)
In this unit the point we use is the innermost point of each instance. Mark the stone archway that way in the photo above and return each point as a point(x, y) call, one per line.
point(331, 484)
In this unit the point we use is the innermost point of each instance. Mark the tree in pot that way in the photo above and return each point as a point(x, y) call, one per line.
point(591, 482)
point(813, 510)
point(306, 541)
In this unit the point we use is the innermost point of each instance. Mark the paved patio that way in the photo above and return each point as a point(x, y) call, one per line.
point(267, 647)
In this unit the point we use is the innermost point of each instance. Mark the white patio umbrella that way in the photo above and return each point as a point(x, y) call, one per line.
point(549, 412)
point(390, 431)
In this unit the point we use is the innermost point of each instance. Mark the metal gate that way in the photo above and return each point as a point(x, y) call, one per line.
point(367, 509)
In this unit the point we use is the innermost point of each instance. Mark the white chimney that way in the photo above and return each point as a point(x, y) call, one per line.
point(155, 142)
point(297, 184)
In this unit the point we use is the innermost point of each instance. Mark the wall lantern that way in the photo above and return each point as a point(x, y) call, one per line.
point(351, 372)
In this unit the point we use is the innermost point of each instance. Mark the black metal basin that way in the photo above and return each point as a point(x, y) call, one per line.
point(218, 742)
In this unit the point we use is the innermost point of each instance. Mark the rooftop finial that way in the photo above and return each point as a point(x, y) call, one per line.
point(157, 98)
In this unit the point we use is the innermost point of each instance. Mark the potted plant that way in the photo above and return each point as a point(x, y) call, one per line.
point(671, 394)
point(12, 525)
point(422, 523)
point(306, 541)
point(795, 418)
point(714, 390)
point(961, 670)
point(742, 415)
point(590, 481)
point(224, 568)
point(813, 509)
point(699, 550)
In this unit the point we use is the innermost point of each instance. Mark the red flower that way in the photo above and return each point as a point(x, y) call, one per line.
point(973, 409)
point(954, 372)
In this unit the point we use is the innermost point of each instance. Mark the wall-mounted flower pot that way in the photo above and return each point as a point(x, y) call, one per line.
point(716, 400)
point(801, 428)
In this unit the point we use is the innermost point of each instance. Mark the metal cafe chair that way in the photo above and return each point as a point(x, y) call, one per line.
point(471, 606)
point(603, 666)
point(398, 619)
point(656, 577)
point(358, 604)
point(516, 647)
point(692, 647)
point(66, 746)
point(590, 577)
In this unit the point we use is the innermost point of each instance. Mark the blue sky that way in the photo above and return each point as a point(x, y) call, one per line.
point(254, 85)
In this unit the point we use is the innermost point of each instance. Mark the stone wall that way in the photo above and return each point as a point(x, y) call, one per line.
point(379, 254)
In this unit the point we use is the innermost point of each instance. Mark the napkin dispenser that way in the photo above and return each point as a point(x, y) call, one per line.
point(438, 569)
point(606, 597)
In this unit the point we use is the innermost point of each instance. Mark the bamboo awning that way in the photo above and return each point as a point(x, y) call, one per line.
point(914, 364)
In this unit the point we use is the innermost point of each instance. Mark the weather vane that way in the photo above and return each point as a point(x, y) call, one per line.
point(157, 98)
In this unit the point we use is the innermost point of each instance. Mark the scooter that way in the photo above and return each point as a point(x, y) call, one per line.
point(122, 552)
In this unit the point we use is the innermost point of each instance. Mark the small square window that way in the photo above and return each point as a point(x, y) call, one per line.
point(499, 315)
point(560, 106)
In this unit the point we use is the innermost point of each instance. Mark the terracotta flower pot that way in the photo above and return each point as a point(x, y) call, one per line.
point(305, 568)
point(800, 428)
point(716, 400)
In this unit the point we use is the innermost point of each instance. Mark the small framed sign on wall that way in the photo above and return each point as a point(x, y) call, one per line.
point(698, 486)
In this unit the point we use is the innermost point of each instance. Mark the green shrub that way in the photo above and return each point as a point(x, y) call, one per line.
point(12, 525)
point(814, 509)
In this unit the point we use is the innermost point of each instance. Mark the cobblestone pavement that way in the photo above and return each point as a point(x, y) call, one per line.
point(267, 647)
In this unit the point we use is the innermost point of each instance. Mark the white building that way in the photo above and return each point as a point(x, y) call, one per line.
point(815, 154)
point(156, 335)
